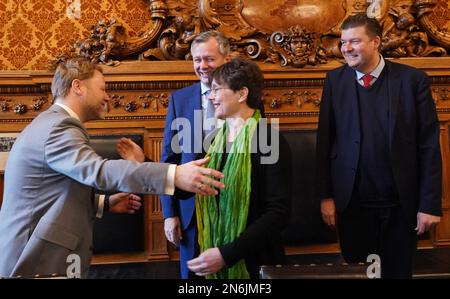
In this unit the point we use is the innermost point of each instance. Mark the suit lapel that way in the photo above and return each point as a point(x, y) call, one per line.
point(394, 86)
point(350, 94)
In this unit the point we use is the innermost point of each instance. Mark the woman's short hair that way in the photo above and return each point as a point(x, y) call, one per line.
point(239, 73)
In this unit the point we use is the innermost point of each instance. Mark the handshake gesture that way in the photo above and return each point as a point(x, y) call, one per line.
point(191, 177)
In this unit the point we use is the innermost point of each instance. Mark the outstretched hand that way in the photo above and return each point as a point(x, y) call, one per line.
point(193, 177)
point(124, 203)
point(129, 150)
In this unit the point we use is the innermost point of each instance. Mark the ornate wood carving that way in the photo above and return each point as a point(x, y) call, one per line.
point(108, 40)
point(292, 32)
point(22, 106)
point(149, 100)
point(297, 47)
point(292, 95)
point(433, 16)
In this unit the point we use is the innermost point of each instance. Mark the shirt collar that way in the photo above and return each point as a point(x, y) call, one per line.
point(376, 72)
point(68, 110)
point(204, 88)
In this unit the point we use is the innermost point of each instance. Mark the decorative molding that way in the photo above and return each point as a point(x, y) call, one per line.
point(440, 94)
point(443, 110)
point(289, 32)
point(24, 89)
point(148, 85)
point(20, 106)
point(293, 114)
point(134, 103)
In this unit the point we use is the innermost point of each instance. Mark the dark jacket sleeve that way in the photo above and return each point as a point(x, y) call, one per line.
point(325, 141)
point(430, 161)
point(269, 212)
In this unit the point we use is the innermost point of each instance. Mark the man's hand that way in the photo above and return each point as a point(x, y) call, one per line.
point(425, 222)
point(193, 177)
point(328, 209)
point(129, 150)
point(172, 228)
point(209, 262)
point(124, 203)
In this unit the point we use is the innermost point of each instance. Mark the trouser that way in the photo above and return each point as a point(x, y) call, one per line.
point(387, 232)
point(188, 249)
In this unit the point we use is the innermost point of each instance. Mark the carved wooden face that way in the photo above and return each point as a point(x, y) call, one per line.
point(359, 49)
point(207, 57)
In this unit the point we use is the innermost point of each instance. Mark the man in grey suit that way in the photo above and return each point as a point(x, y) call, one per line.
point(48, 204)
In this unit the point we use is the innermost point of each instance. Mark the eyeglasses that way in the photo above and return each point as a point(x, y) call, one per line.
point(214, 90)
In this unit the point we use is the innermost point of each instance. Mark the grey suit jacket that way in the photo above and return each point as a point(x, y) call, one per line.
point(48, 207)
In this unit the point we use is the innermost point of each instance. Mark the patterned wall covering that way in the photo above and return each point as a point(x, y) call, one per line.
point(35, 31)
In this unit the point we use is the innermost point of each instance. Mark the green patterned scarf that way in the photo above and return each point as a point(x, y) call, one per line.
point(221, 222)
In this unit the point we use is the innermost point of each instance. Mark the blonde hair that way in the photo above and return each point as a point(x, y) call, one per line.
point(69, 70)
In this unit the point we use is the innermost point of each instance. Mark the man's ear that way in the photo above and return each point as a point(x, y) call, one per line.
point(76, 87)
point(243, 94)
point(377, 41)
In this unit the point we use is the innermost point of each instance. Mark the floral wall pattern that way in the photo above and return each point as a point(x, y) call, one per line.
point(34, 31)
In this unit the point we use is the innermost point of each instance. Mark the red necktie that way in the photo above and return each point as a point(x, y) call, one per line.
point(367, 78)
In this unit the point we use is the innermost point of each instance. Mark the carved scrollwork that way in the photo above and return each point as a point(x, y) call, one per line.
point(433, 16)
point(108, 39)
point(402, 35)
point(262, 30)
point(182, 25)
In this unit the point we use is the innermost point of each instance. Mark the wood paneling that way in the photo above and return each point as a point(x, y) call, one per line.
point(291, 95)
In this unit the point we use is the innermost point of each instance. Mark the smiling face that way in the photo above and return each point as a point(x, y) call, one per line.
point(359, 49)
point(227, 102)
point(95, 99)
point(206, 57)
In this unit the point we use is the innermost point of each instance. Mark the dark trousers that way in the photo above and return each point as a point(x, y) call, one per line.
point(387, 232)
point(189, 249)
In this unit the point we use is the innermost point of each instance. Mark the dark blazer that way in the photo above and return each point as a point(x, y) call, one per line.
point(413, 139)
point(261, 243)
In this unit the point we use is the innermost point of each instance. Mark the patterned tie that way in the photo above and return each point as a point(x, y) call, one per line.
point(211, 120)
point(367, 78)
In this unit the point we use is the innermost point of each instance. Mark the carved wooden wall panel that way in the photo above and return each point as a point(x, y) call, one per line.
point(287, 32)
point(292, 95)
point(294, 57)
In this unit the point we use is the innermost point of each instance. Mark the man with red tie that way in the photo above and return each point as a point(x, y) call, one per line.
point(379, 166)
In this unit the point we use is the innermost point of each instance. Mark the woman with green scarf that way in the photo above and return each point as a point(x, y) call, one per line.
point(240, 229)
